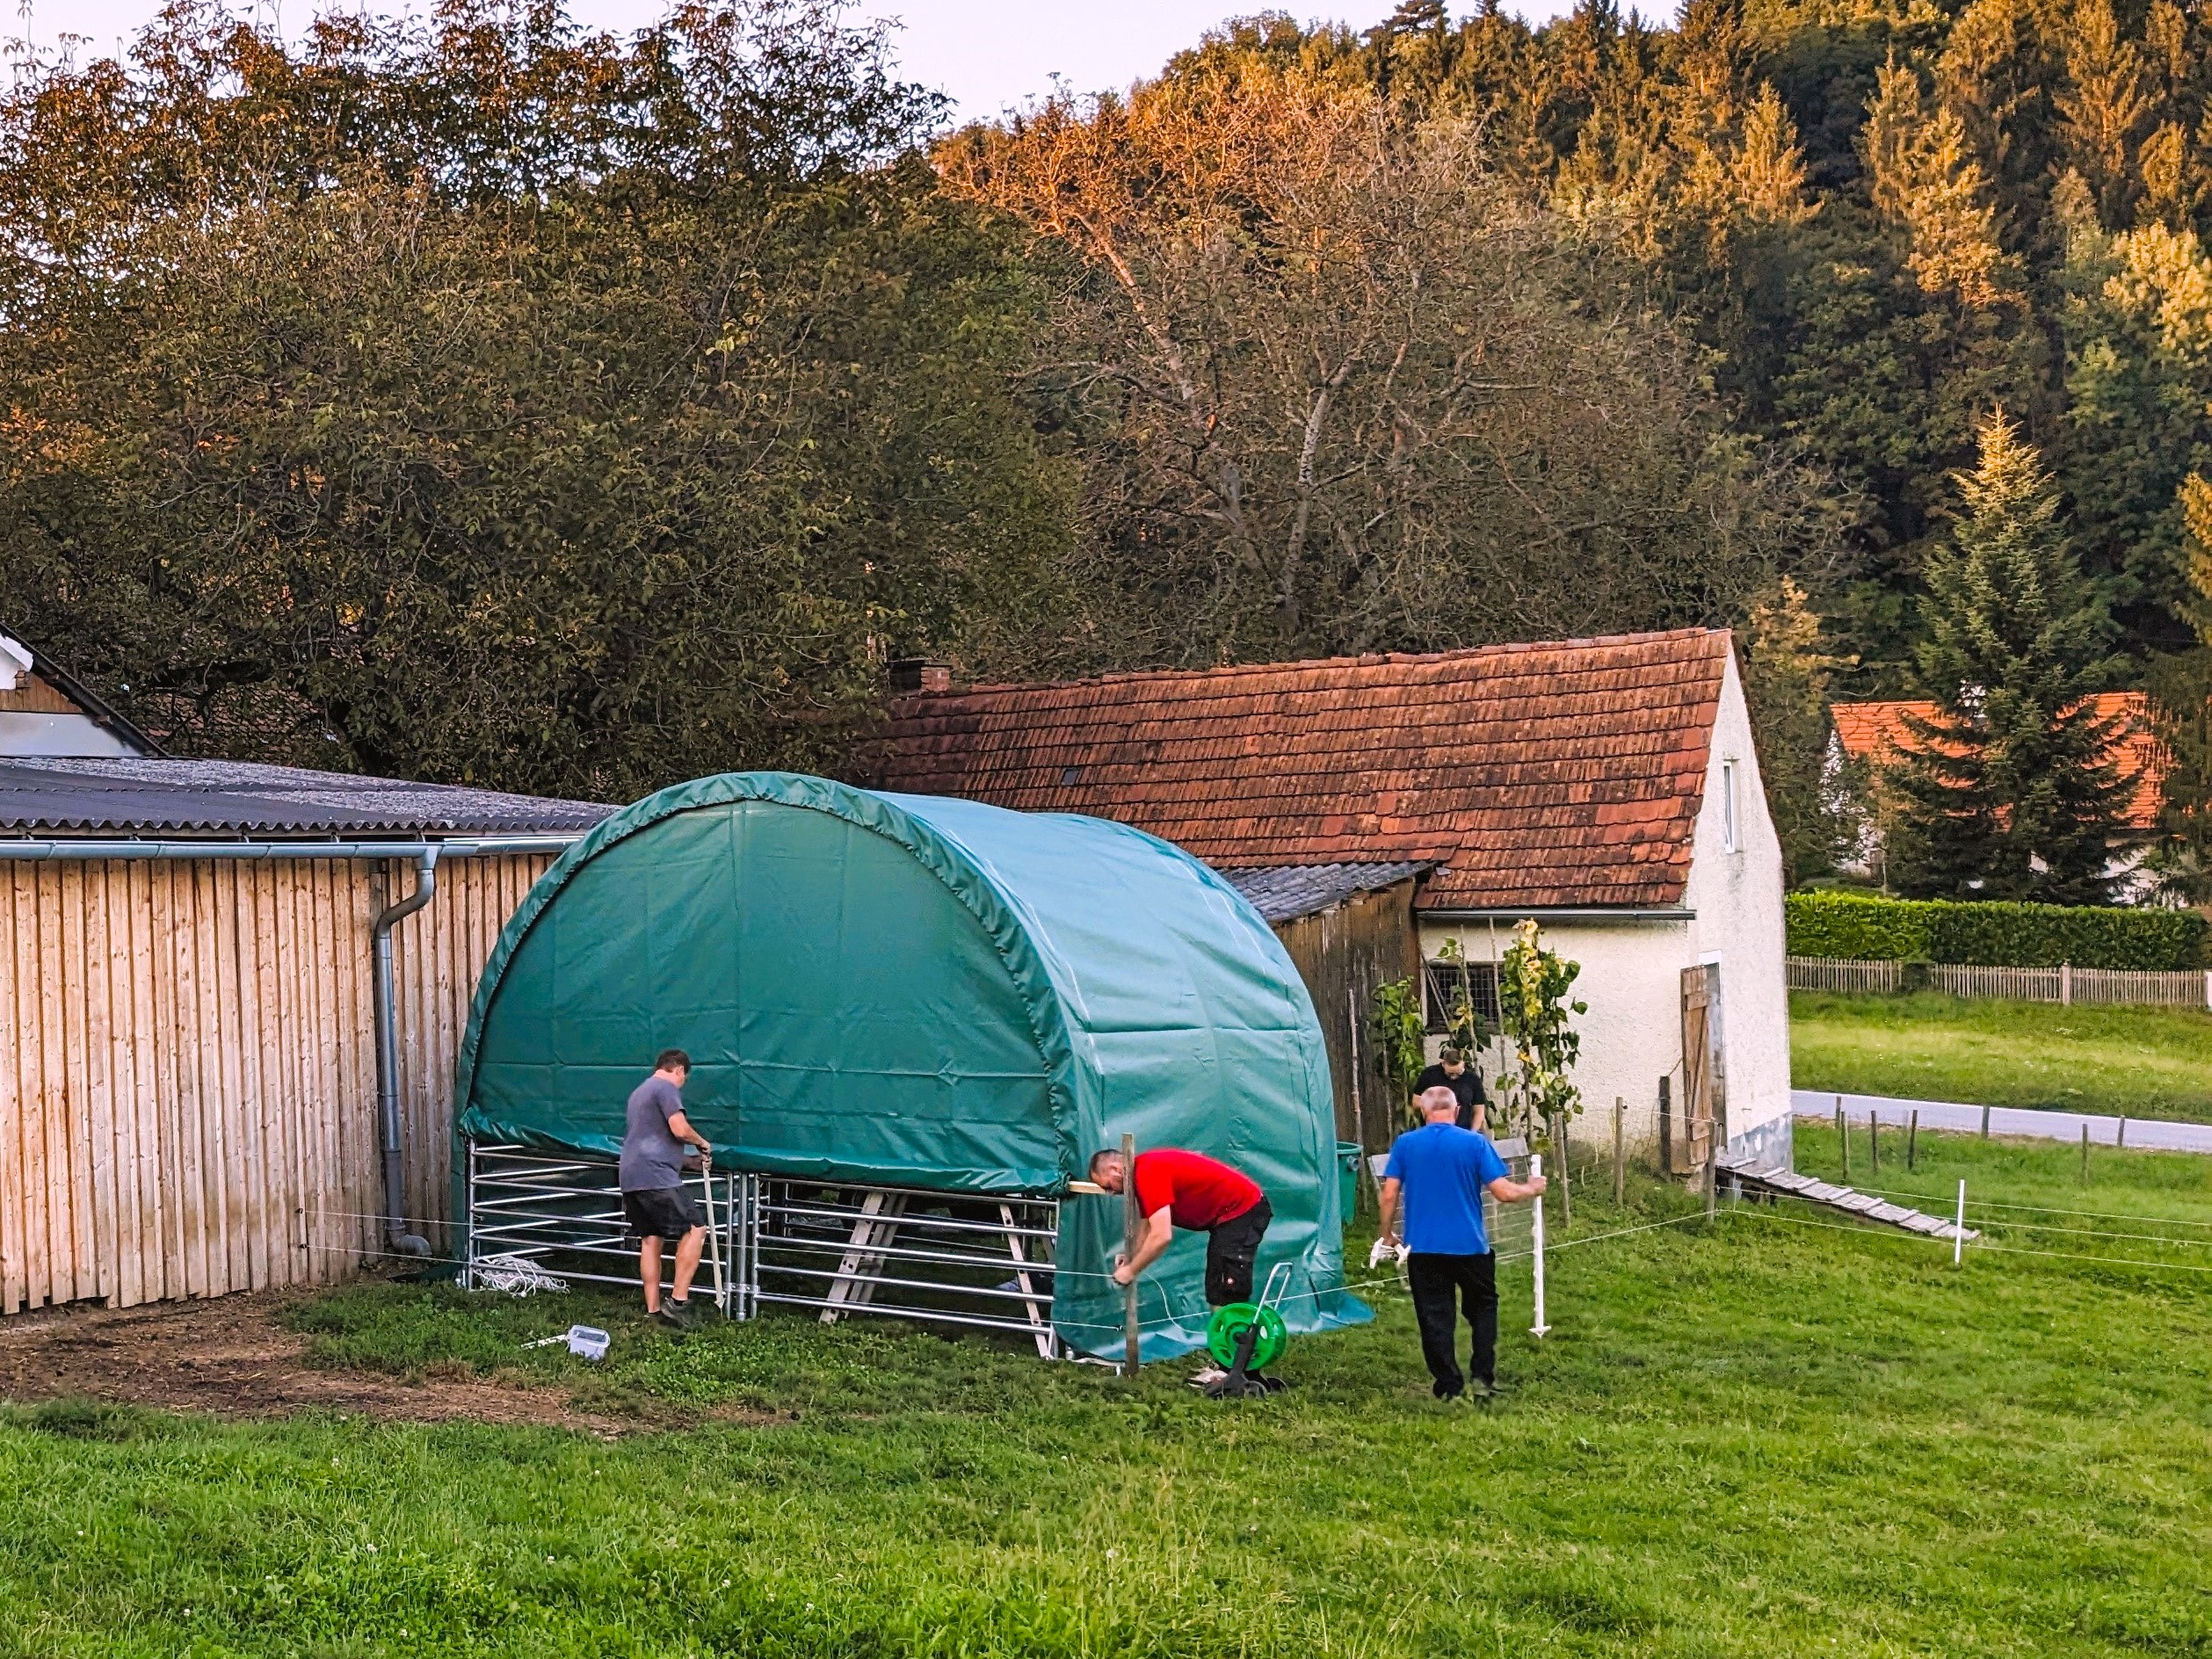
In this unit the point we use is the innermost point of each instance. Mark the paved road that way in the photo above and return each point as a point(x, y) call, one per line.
point(2149, 1133)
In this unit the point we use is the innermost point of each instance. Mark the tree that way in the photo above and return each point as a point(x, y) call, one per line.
point(2011, 789)
point(354, 428)
point(1536, 1011)
point(1349, 391)
point(1787, 669)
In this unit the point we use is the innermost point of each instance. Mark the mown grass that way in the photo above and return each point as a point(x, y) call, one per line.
point(2147, 1063)
point(1761, 1436)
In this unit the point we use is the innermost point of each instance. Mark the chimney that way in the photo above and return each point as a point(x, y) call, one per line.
point(910, 674)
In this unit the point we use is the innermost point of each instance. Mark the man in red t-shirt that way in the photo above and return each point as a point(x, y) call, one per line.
point(1175, 1188)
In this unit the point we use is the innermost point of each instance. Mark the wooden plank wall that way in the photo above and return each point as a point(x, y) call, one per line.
point(188, 1105)
point(1346, 953)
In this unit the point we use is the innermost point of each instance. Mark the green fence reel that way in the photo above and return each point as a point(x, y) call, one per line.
point(1227, 1328)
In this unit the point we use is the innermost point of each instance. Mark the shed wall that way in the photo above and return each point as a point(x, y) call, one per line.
point(188, 1101)
point(1343, 954)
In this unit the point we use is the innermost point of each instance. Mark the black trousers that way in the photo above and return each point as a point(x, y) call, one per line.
point(1437, 1281)
point(1231, 1249)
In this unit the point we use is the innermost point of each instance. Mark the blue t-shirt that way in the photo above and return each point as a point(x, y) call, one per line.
point(1442, 1170)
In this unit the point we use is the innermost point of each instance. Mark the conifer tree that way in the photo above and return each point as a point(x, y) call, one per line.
point(2011, 789)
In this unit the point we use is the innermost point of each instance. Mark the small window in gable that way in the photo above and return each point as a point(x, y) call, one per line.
point(1730, 840)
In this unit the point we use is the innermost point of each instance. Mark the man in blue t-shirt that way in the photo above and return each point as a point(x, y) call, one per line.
point(1442, 1171)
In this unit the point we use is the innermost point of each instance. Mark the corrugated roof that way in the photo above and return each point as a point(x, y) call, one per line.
point(1559, 774)
point(221, 799)
point(1285, 892)
point(1873, 730)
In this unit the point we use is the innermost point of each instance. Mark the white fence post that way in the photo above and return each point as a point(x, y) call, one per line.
point(1958, 1229)
point(1536, 1168)
point(2066, 984)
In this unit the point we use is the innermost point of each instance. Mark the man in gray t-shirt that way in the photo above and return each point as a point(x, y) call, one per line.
point(654, 1200)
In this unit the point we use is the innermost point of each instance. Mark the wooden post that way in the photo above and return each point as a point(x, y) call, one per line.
point(1913, 1141)
point(2120, 1139)
point(1132, 1219)
point(1873, 1143)
point(2066, 984)
point(1711, 1164)
point(1363, 1176)
point(1620, 1168)
point(1566, 1195)
point(1666, 1148)
point(2084, 1152)
point(1985, 1123)
point(1843, 1137)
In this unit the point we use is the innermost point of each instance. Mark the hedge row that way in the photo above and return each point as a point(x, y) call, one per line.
point(1860, 928)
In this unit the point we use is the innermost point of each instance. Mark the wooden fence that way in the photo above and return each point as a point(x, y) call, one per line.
point(189, 1103)
point(2188, 989)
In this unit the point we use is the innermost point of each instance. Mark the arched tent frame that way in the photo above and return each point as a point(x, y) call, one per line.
point(922, 993)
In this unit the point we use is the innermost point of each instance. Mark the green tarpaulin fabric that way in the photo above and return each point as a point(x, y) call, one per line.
point(925, 992)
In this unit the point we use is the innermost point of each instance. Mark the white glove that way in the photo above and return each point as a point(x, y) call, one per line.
point(1387, 1249)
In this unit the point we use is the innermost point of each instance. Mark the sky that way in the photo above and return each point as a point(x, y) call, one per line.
point(987, 56)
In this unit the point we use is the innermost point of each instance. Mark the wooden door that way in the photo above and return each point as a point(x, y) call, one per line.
point(1704, 1083)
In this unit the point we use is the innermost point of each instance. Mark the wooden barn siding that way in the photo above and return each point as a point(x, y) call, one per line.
point(188, 1105)
point(1363, 943)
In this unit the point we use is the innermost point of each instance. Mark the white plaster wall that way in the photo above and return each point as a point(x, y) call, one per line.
point(1632, 971)
point(1737, 898)
point(1632, 1035)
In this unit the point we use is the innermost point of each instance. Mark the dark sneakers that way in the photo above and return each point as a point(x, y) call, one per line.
point(675, 1315)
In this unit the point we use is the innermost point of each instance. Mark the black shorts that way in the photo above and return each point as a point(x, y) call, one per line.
point(1231, 1249)
point(664, 1212)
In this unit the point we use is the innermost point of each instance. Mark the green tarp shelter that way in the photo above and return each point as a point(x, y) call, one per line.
point(918, 991)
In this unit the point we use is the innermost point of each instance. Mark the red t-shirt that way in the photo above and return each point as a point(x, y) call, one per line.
point(1196, 1192)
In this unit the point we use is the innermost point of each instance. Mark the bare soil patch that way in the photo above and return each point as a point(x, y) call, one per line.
point(231, 1357)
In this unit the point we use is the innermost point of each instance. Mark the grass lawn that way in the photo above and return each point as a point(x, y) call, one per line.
point(1763, 1436)
point(2148, 1062)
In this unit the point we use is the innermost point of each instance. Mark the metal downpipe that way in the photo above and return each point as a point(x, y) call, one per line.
point(397, 1237)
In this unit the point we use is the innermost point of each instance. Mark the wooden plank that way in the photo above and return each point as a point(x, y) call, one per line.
point(249, 1106)
point(335, 1194)
point(12, 1105)
point(354, 1106)
point(229, 1119)
point(102, 1232)
point(284, 1060)
point(169, 1082)
point(59, 1280)
point(202, 1036)
point(141, 1206)
point(31, 1055)
point(321, 1097)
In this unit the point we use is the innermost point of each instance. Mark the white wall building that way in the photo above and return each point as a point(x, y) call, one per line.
point(1609, 788)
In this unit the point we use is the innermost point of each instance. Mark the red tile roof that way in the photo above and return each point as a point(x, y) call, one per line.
point(1868, 729)
point(1534, 775)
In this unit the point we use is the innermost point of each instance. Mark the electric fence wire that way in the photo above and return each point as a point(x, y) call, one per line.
point(2039, 1209)
point(1981, 1245)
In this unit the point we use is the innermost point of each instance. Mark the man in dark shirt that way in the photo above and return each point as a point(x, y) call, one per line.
point(654, 1200)
point(1453, 1072)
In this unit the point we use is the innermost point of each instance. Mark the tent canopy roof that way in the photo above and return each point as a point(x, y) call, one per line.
point(911, 991)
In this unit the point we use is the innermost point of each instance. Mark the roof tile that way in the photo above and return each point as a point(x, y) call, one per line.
point(1562, 773)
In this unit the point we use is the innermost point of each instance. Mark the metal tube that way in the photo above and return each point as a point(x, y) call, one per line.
point(395, 1233)
point(132, 847)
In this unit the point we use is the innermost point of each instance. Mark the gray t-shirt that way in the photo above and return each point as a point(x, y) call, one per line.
point(652, 1158)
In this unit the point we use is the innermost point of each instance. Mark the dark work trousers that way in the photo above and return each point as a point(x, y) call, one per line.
point(1434, 1278)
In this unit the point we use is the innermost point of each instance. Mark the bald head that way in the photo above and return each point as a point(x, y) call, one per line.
point(1439, 1104)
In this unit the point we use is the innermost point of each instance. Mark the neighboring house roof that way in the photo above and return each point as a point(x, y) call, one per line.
point(1287, 892)
point(52, 696)
point(1563, 774)
point(43, 796)
point(1869, 730)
